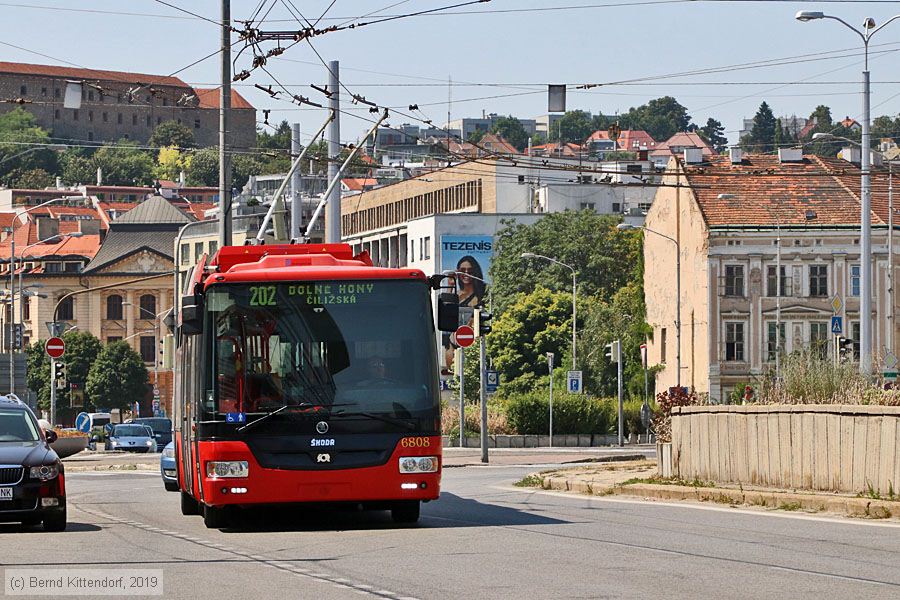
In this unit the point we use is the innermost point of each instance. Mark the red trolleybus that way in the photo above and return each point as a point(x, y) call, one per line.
point(306, 375)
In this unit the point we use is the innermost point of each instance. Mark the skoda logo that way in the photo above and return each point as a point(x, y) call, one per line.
point(322, 427)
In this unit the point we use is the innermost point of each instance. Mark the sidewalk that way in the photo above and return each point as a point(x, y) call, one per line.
point(639, 479)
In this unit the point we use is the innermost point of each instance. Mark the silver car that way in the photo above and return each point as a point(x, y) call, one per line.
point(131, 438)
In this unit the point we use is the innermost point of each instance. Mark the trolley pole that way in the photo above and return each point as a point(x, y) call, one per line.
point(296, 184)
point(333, 206)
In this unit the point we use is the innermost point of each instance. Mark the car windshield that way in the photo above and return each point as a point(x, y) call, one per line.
point(157, 425)
point(352, 346)
point(130, 431)
point(17, 427)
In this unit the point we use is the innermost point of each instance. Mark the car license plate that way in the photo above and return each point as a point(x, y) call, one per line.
point(6, 493)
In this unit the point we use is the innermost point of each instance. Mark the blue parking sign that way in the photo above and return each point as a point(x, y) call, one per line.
point(837, 325)
point(573, 382)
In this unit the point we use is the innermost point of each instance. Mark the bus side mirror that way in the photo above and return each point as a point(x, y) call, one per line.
point(191, 314)
point(448, 312)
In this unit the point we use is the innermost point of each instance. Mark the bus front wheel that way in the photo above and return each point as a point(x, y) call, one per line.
point(189, 505)
point(405, 512)
point(214, 517)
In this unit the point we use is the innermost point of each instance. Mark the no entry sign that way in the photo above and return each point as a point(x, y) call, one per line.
point(55, 347)
point(465, 335)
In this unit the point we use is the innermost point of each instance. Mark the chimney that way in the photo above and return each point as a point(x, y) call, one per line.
point(99, 176)
point(736, 155)
point(47, 227)
point(790, 155)
point(59, 184)
point(693, 156)
point(877, 159)
point(181, 179)
point(89, 227)
point(851, 154)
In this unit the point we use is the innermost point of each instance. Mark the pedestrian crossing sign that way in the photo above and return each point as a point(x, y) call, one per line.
point(837, 325)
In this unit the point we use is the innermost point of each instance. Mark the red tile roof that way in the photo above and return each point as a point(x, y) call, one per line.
point(497, 144)
point(358, 184)
point(90, 74)
point(6, 219)
point(554, 149)
point(767, 192)
point(632, 140)
point(684, 139)
point(26, 234)
point(209, 98)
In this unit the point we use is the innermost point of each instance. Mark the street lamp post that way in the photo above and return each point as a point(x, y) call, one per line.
point(574, 292)
point(865, 289)
point(155, 331)
point(629, 227)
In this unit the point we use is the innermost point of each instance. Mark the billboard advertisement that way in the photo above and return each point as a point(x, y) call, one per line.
point(469, 256)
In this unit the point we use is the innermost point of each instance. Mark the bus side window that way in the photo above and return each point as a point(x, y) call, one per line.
point(229, 370)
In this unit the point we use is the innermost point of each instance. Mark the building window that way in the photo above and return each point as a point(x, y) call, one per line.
point(56, 93)
point(213, 246)
point(56, 114)
point(854, 335)
point(90, 136)
point(134, 120)
point(44, 92)
point(185, 254)
point(428, 248)
point(148, 121)
point(734, 280)
point(66, 310)
point(734, 341)
point(26, 310)
point(586, 206)
point(818, 339)
point(53, 267)
point(772, 283)
point(74, 115)
point(196, 123)
point(114, 307)
point(818, 280)
point(198, 251)
point(165, 101)
point(158, 120)
point(113, 339)
point(91, 95)
point(105, 117)
point(854, 280)
point(72, 267)
point(148, 306)
point(119, 118)
point(148, 348)
point(616, 207)
point(771, 343)
point(23, 90)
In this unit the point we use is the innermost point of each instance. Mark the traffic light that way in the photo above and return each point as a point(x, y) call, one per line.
point(845, 349)
point(59, 373)
point(17, 335)
point(612, 352)
point(483, 322)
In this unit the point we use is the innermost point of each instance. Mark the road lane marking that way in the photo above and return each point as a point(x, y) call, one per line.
point(274, 563)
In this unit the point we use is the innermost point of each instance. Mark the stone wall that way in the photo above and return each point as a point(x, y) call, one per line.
point(823, 447)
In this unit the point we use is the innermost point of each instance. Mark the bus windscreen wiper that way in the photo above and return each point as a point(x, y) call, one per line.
point(286, 407)
point(387, 419)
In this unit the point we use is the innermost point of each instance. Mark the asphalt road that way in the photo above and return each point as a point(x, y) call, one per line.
point(482, 539)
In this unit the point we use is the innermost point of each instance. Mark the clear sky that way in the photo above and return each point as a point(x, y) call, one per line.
point(408, 61)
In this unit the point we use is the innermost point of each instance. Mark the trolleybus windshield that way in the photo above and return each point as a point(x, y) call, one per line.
point(357, 348)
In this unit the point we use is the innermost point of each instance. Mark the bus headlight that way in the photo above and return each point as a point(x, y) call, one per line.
point(228, 468)
point(418, 464)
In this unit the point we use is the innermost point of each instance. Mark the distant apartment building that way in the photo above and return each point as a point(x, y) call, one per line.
point(793, 124)
point(727, 214)
point(463, 128)
point(118, 105)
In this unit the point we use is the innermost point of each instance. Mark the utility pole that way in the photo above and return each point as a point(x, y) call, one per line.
point(296, 184)
point(550, 367)
point(12, 314)
point(621, 397)
point(224, 110)
point(483, 397)
point(333, 202)
point(890, 271)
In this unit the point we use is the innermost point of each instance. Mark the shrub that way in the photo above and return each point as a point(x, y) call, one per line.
point(572, 414)
point(662, 419)
point(497, 421)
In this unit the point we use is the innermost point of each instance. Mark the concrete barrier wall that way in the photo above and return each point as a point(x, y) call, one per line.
point(542, 441)
point(824, 447)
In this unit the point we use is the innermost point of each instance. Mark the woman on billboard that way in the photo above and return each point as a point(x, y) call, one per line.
point(470, 281)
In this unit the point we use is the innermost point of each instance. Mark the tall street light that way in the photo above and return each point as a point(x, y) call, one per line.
point(630, 227)
point(574, 291)
point(865, 242)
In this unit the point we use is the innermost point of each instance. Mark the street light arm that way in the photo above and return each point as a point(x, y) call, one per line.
point(662, 235)
point(851, 27)
point(553, 260)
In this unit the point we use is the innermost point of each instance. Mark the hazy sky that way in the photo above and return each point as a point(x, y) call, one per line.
point(408, 61)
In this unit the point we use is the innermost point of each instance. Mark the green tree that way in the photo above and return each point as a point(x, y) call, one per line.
point(279, 140)
point(172, 133)
point(123, 163)
point(885, 127)
point(575, 126)
point(475, 136)
point(661, 118)
point(117, 377)
point(762, 135)
point(511, 129)
point(604, 259)
point(76, 168)
point(82, 350)
point(825, 124)
point(204, 168)
point(31, 179)
point(714, 134)
point(533, 324)
point(21, 150)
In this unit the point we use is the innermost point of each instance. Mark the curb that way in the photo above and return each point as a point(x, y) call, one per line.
point(128, 468)
point(789, 501)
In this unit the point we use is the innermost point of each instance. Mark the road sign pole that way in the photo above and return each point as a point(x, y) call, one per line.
point(462, 398)
point(550, 367)
point(481, 392)
point(621, 398)
point(52, 392)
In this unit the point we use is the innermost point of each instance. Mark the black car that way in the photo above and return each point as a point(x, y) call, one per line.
point(32, 483)
point(161, 426)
